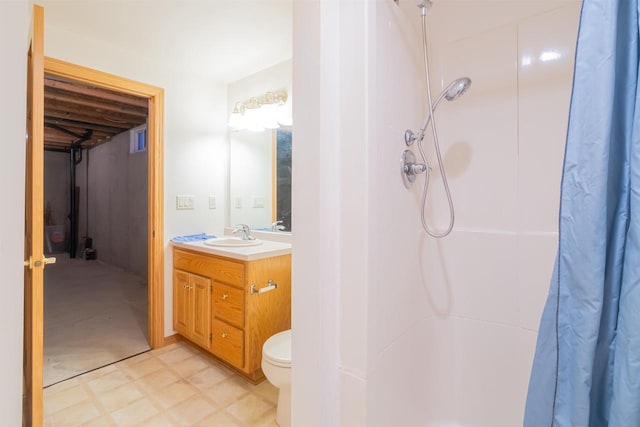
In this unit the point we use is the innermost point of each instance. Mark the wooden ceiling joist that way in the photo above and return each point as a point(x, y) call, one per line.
point(95, 92)
point(76, 108)
point(93, 104)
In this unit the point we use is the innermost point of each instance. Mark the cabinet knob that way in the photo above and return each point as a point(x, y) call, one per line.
point(225, 296)
point(186, 286)
point(223, 335)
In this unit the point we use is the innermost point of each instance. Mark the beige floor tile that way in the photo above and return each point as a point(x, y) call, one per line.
point(161, 420)
point(219, 419)
point(76, 415)
point(104, 421)
point(176, 355)
point(135, 359)
point(98, 373)
point(250, 409)
point(209, 377)
point(267, 420)
point(135, 413)
point(158, 379)
point(54, 402)
point(173, 394)
point(119, 397)
point(108, 382)
point(166, 349)
point(228, 391)
point(190, 366)
point(142, 368)
point(266, 390)
point(192, 410)
point(64, 385)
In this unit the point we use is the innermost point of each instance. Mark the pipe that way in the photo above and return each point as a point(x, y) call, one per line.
point(75, 157)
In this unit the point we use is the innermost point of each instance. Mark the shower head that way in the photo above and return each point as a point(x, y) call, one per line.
point(457, 88)
point(424, 4)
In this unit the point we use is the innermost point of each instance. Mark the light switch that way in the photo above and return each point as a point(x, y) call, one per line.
point(212, 202)
point(185, 202)
point(238, 202)
point(258, 202)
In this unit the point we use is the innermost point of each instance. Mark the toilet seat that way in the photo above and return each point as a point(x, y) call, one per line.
point(277, 349)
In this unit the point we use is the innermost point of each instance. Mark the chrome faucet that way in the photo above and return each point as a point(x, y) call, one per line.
point(245, 230)
point(277, 226)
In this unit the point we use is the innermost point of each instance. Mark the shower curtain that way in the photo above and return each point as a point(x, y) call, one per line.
point(586, 371)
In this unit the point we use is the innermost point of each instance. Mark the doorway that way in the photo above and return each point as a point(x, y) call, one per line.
point(96, 222)
point(155, 243)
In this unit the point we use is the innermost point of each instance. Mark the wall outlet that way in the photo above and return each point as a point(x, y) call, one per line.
point(238, 202)
point(185, 202)
point(258, 202)
point(212, 202)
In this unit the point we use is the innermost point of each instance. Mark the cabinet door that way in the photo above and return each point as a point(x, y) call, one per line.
point(201, 293)
point(181, 311)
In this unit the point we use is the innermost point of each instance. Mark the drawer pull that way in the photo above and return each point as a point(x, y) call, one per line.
point(225, 296)
point(223, 335)
point(270, 287)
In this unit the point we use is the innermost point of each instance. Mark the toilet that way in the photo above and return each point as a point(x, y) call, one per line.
point(276, 365)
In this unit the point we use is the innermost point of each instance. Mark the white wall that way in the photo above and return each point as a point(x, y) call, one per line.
point(14, 28)
point(392, 327)
point(250, 153)
point(195, 146)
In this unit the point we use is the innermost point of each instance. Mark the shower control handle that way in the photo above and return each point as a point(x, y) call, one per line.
point(409, 168)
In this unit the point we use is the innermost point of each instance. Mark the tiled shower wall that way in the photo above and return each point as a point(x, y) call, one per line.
point(453, 322)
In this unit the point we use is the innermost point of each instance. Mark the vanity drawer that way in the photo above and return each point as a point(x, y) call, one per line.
point(222, 270)
point(228, 304)
point(228, 343)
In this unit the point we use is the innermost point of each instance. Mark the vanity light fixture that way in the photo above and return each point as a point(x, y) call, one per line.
point(261, 112)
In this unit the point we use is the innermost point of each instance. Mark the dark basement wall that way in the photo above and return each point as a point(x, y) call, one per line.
point(118, 204)
point(117, 201)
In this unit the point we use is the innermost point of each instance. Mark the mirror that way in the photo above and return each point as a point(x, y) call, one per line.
point(260, 159)
point(260, 179)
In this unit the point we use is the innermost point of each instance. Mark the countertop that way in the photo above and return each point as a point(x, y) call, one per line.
point(246, 253)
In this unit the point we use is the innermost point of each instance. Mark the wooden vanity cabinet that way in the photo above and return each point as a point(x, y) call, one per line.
point(192, 307)
point(235, 321)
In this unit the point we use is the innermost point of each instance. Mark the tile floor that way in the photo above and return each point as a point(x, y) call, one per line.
point(176, 385)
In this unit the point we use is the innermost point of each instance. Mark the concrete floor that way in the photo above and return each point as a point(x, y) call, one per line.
point(94, 315)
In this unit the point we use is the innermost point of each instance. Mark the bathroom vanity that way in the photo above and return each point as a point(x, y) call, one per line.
point(229, 301)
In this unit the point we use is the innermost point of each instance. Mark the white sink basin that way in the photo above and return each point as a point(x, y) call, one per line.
point(231, 242)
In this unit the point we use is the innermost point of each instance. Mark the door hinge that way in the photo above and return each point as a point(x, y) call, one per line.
point(210, 336)
point(210, 289)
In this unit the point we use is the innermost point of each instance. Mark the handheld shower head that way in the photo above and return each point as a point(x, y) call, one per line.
point(424, 5)
point(457, 88)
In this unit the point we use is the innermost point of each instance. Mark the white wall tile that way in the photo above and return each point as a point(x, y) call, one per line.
point(475, 274)
point(413, 388)
point(478, 132)
point(492, 385)
point(353, 393)
point(546, 49)
point(536, 256)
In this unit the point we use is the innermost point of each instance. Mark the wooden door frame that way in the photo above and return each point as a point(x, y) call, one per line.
point(155, 183)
